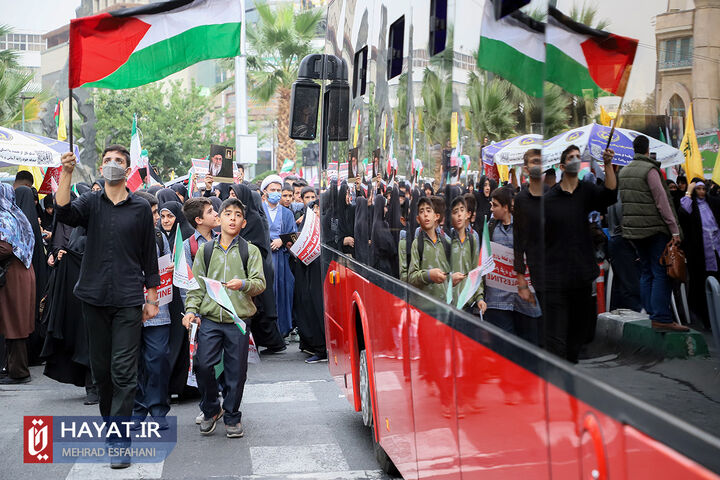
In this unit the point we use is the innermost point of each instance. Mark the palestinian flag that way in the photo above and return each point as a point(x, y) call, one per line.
point(216, 292)
point(486, 264)
point(585, 61)
point(134, 46)
point(514, 48)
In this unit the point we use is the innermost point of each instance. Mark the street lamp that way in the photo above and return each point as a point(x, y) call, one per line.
point(22, 106)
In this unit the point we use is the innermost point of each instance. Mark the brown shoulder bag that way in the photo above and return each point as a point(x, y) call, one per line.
point(673, 258)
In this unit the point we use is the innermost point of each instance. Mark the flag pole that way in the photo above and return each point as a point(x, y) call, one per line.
point(70, 119)
point(623, 86)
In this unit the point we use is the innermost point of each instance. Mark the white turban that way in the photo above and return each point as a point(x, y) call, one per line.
point(271, 179)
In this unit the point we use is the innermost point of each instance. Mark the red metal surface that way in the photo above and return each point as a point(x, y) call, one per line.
point(445, 406)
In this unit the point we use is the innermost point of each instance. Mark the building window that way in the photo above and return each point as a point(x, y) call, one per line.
point(676, 53)
point(676, 106)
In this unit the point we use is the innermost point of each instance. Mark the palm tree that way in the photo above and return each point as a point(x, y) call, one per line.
point(586, 15)
point(278, 42)
point(13, 84)
point(491, 108)
point(436, 92)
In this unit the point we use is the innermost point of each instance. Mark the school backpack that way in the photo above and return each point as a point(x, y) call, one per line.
point(242, 247)
point(421, 244)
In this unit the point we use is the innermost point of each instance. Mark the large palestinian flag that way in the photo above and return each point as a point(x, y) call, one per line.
point(134, 46)
point(514, 48)
point(585, 61)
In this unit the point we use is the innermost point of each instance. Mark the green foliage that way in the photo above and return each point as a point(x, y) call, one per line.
point(436, 93)
point(555, 113)
point(586, 14)
point(260, 177)
point(491, 110)
point(14, 84)
point(176, 124)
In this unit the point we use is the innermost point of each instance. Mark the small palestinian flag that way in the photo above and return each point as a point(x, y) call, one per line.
point(134, 46)
point(217, 293)
point(182, 273)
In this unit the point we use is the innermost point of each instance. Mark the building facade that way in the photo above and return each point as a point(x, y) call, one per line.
point(688, 61)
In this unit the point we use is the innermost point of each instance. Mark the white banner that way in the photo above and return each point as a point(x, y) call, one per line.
point(307, 246)
point(503, 276)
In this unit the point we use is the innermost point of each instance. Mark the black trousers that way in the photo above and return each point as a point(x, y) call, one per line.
point(570, 317)
point(114, 335)
point(17, 358)
point(216, 342)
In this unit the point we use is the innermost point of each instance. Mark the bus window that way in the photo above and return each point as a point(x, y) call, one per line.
point(438, 26)
point(395, 48)
point(360, 72)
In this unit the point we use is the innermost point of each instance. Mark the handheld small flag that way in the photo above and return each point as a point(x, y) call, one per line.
point(287, 166)
point(217, 293)
point(449, 292)
point(60, 121)
point(182, 274)
point(486, 264)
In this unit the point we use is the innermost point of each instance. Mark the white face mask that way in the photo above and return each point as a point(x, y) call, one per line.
point(113, 173)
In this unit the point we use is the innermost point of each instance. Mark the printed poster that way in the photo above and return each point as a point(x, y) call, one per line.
point(503, 276)
point(307, 246)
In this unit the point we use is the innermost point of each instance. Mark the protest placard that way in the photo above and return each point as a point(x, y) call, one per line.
point(165, 290)
point(307, 246)
point(200, 166)
point(221, 165)
point(343, 171)
point(503, 275)
point(191, 380)
point(332, 170)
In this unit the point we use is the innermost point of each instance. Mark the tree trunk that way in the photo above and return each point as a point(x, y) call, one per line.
point(286, 145)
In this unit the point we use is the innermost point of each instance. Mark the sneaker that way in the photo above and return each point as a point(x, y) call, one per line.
point(234, 431)
point(91, 398)
point(294, 336)
point(669, 327)
point(271, 351)
point(207, 425)
point(14, 381)
point(316, 359)
point(119, 462)
point(199, 418)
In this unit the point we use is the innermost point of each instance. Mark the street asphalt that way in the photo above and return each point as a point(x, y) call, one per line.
point(297, 426)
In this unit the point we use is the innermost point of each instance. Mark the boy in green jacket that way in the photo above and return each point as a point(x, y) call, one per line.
point(429, 264)
point(238, 265)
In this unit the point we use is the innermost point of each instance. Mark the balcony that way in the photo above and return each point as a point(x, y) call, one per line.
point(676, 64)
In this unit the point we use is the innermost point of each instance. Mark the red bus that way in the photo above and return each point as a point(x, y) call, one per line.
point(446, 394)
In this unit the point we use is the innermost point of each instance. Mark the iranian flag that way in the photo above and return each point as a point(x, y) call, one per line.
point(135, 181)
point(585, 61)
point(514, 48)
point(134, 46)
point(182, 274)
point(486, 264)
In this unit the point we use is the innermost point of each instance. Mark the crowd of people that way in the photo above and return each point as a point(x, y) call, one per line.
point(556, 226)
point(80, 278)
point(79, 271)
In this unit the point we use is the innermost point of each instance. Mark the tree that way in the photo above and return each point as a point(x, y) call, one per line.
point(277, 44)
point(176, 124)
point(13, 85)
point(586, 15)
point(491, 109)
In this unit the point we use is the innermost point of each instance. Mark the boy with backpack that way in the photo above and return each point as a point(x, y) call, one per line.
point(464, 252)
point(430, 253)
point(238, 265)
point(203, 218)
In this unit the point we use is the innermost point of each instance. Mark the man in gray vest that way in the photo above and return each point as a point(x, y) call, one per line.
point(650, 223)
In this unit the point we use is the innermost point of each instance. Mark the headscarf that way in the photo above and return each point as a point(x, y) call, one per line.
point(224, 189)
point(383, 247)
point(46, 219)
point(100, 182)
point(393, 215)
point(256, 229)
point(15, 228)
point(154, 189)
point(482, 204)
point(412, 224)
point(186, 230)
point(362, 249)
point(25, 199)
point(216, 203)
point(180, 189)
point(82, 187)
point(166, 195)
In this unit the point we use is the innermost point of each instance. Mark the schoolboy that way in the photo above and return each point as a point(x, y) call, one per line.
point(203, 218)
point(464, 252)
point(238, 265)
point(429, 263)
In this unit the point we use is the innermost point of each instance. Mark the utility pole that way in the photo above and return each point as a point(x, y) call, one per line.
point(22, 106)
